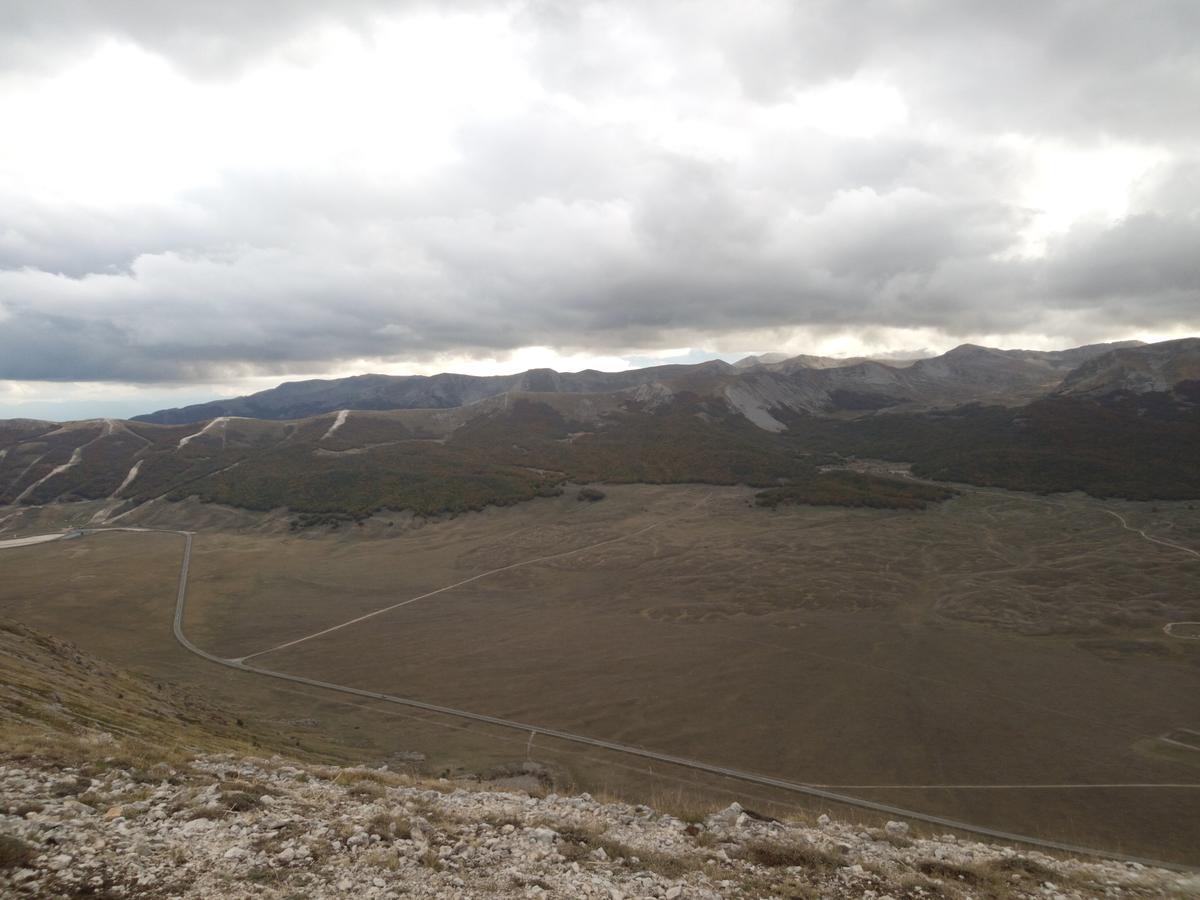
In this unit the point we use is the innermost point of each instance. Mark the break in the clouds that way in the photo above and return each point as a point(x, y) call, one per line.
point(209, 191)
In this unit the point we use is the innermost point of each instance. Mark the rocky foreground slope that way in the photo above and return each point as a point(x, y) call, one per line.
point(224, 826)
point(112, 785)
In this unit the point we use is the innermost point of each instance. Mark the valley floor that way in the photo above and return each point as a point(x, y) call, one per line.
point(999, 658)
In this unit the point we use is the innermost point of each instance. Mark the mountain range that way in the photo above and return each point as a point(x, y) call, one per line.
point(810, 384)
point(1113, 420)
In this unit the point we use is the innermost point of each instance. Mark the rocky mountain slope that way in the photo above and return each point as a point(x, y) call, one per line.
point(1139, 370)
point(97, 805)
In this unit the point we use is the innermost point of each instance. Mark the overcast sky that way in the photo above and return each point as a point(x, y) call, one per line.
point(206, 197)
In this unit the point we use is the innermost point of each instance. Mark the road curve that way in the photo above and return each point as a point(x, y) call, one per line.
point(1120, 518)
point(614, 746)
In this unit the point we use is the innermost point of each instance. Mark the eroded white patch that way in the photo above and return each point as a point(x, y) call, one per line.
point(753, 407)
point(133, 473)
point(337, 423)
point(26, 541)
point(76, 456)
point(219, 421)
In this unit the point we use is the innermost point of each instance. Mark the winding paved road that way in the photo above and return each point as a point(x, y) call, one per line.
point(614, 746)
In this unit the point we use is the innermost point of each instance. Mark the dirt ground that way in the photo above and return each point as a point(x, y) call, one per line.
point(932, 659)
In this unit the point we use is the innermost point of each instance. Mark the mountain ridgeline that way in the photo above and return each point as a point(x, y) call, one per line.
point(1111, 420)
point(804, 383)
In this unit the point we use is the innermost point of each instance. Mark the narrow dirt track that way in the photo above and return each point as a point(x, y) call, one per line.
point(1151, 539)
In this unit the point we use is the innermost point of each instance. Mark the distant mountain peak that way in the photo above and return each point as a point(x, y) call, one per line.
point(762, 359)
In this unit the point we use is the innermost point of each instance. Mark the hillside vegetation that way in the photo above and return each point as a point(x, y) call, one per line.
point(854, 489)
point(1137, 447)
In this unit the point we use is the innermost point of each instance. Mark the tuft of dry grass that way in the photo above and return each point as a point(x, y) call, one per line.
point(784, 854)
point(791, 887)
point(239, 801)
point(1021, 865)
point(14, 852)
point(668, 865)
point(578, 842)
point(884, 836)
point(682, 804)
point(389, 825)
point(70, 787)
point(575, 843)
point(381, 777)
point(265, 875)
point(211, 811)
point(367, 790)
point(90, 751)
point(911, 884)
point(382, 858)
point(256, 788)
point(528, 881)
point(992, 879)
point(971, 875)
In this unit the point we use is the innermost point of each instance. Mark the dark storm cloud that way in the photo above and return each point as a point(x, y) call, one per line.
point(560, 225)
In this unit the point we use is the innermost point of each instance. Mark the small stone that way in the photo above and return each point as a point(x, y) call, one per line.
point(236, 853)
point(730, 814)
point(673, 893)
point(896, 829)
point(60, 862)
point(823, 821)
point(195, 826)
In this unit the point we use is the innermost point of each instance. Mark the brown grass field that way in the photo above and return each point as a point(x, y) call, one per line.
point(993, 640)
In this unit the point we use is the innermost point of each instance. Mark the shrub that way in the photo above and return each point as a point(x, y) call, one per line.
point(389, 825)
point(370, 790)
point(778, 854)
point(14, 852)
point(239, 801)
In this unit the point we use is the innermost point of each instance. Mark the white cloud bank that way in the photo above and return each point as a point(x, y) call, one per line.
point(213, 195)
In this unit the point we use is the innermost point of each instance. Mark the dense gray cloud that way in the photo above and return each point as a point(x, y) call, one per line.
point(662, 182)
